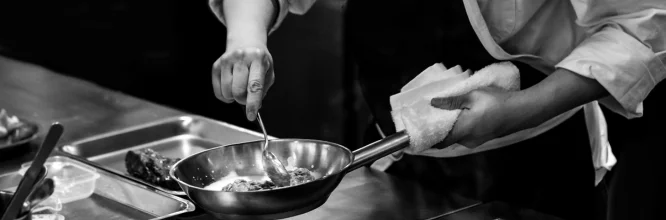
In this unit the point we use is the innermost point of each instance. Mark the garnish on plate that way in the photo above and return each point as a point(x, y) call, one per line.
point(13, 130)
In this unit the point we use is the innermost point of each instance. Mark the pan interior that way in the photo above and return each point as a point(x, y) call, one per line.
point(224, 164)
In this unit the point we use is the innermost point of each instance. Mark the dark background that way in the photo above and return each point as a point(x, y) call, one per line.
point(163, 51)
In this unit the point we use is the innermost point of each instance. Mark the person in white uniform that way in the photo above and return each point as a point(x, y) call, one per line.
point(570, 54)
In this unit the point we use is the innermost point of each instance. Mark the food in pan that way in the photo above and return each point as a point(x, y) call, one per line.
point(150, 166)
point(298, 176)
point(242, 185)
point(13, 130)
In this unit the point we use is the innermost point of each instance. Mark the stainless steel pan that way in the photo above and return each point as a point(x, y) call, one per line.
point(331, 161)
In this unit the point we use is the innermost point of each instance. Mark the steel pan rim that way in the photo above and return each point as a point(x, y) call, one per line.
point(323, 178)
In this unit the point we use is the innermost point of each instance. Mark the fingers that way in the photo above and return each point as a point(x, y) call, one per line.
point(225, 83)
point(255, 87)
point(451, 103)
point(456, 134)
point(222, 81)
point(216, 80)
point(243, 76)
point(460, 102)
point(239, 81)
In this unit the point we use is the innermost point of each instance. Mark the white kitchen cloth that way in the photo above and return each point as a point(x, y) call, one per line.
point(427, 125)
point(432, 81)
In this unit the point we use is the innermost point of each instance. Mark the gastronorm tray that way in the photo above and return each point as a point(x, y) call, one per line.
point(115, 197)
point(176, 137)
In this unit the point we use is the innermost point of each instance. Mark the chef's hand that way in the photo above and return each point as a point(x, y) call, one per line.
point(491, 113)
point(484, 116)
point(244, 73)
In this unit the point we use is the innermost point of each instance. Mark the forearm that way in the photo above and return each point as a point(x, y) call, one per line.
point(248, 20)
point(563, 90)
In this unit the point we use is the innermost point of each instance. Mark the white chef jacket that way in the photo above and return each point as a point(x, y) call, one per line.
point(621, 44)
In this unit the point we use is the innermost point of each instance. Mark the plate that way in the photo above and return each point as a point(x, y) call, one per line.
point(25, 140)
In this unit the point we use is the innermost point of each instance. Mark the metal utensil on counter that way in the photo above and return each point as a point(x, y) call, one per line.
point(39, 194)
point(7, 195)
point(272, 165)
point(5, 198)
point(328, 161)
point(31, 175)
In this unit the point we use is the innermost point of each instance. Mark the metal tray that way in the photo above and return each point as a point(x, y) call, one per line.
point(116, 197)
point(176, 137)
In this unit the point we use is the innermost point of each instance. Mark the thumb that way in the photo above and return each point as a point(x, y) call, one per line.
point(451, 103)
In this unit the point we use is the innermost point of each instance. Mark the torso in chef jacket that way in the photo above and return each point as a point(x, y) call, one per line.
point(621, 44)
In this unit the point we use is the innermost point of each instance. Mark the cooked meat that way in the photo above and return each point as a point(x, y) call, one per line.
point(298, 176)
point(150, 166)
point(241, 185)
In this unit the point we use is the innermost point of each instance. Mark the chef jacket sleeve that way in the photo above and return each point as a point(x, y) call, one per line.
point(283, 7)
point(625, 52)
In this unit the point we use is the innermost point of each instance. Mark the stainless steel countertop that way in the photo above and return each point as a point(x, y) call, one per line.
point(85, 109)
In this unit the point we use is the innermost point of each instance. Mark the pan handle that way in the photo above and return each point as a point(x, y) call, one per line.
point(379, 149)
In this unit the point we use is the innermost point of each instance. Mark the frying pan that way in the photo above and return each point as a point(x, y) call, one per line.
point(328, 161)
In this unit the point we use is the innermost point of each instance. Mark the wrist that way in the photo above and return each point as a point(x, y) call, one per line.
point(246, 37)
point(248, 21)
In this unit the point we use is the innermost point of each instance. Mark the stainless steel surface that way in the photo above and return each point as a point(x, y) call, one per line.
point(496, 210)
point(327, 161)
point(272, 165)
point(176, 137)
point(379, 149)
point(263, 129)
point(457, 211)
point(31, 177)
point(369, 194)
point(85, 109)
point(93, 113)
point(116, 198)
point(245, 159)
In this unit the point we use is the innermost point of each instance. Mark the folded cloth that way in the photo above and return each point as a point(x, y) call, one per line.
point(427, 125)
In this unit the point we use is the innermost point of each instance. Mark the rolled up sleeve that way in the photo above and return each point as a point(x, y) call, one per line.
point(625, 54)
point(283, 8)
